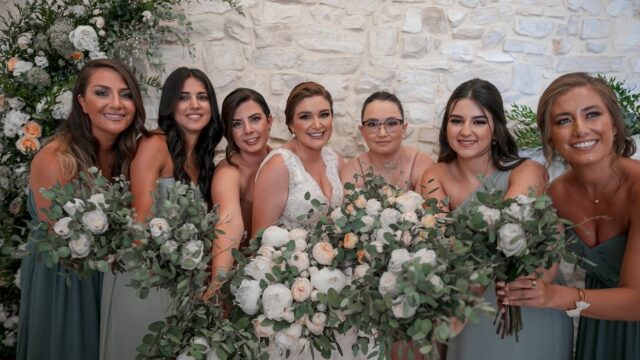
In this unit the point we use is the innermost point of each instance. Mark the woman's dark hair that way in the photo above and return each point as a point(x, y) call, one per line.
point(504, 151)
point(209, 137)
point(622, 144)
point(382, 96)
point(77, 150)
point(230, 104)
point(300, 92)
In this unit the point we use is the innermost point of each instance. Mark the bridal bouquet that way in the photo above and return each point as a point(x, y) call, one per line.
point(409, 280)
point(89, 221)
point(515, 237)
point(291, 291)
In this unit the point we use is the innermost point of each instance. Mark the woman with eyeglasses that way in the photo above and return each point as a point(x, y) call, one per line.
point(383, 128)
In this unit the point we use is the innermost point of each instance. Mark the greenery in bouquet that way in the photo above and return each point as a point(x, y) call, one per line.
point(291, 292)
point(89, 222)
point(409, 280)
point(513, 237)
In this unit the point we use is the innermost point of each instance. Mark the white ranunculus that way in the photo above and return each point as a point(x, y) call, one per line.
point(373, 207)
point(199, 340)
point(368, 224)
point(13, 122)
point(409, 202)
point(398, 258)
point(248, 296)
point(22, 67)
point(389, 216)
point(298, 234)
point(323, 253)
point(350, 241)
point(425, 256)
point(275, 299)
point(489, 215)
point(360, 271)
point(289, 338)
point(262, 330)
point(275, 237)
point(360, 202)
point(388, 283)
point(511, 240)
point(80, 247)
point(96, 221)
point(327, 278)
point(62, 107)
point(402, 308)
point(24, 40)
point(98, 200)
point(336, 214)
point(61, 227)
point(301, 289)
point(84, 38)
point(437, 283)
point(168, 247)
point(191, 254)
point(41, 61)
point(316, 323)
point(300, 260)
point(159, 227)
point(259, 267)
point(74, 205)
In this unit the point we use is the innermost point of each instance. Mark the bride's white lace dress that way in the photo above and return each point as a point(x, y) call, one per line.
point(300, 183)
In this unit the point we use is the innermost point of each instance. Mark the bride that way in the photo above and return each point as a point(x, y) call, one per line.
point(310, 167)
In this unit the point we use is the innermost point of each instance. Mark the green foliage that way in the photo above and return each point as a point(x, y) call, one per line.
point(523, 120)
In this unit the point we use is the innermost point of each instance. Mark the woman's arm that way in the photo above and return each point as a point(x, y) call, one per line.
point(45, 172)
point(348, 172)
point(430, 186)
point(528, 175)
point(147, 166)
point(269, 194)
point(422, 164)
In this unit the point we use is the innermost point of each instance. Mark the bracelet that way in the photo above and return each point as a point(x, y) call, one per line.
point(581, 304)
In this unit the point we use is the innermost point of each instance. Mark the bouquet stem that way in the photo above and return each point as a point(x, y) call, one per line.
point(509, 322)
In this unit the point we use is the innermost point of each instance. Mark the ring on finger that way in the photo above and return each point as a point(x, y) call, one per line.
point(534, 284)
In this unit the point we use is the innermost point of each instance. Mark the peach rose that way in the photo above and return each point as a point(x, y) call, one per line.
point(32, 128)
point(11, 63)
point(77, 56)
point(27, 144)
point(350, 240)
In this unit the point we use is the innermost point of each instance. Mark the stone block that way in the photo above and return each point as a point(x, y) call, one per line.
point(561, 46)
point(418, 114)
point(596, 47)
point(387, 15)
point(273, 36)
point(594, 29)
point(457, 51)
point(434, 20)
point(412, 21)
point(337, 86)
point(526, 79)
point(534, 28)
point(329, 65)
point(224, 55)
point(327, 39)
point(627, 41)
point(491, 15)
point(493, 37)
point(361, 7)
point(238, 28)
point(602, 64)
point(282, 83)
point(414, 45)
point(204, 29)
point(371, 79)
point(274, 13)
point(383, 41)
point(274, 58)
point(495, 56)
point(524, 46)
point(467, 33)
point(456, 16)
point(325, 14)
point(617, 8)
point(592, 7)
point(353, 22)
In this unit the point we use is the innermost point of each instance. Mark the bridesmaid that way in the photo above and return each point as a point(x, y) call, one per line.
point(247, 122)
point(580, 119)
point(59, 321)
point(182, 149)
point(474, 141)
point(383, 128)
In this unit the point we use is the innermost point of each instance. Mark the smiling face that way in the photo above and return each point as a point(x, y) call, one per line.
point(250, 127)
point(193, 109)
point(386, 139)
point(581, 127)
point(108, 103)
point(312, 122)
point(469, 129)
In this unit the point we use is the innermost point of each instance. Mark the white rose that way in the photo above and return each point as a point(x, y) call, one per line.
point(300, 260)
point(261, 330)
point(336, 215)
point(404, 237)
point(199, 340)
point(24, 40)
point(169, 247)
point(350, 241)
point(368, 224)
point(96, 221)
point(248, 295)
point(398, 258)
point(267, 251)
point(275, 299)
point(425, 256)
point(61, 227)
point(84, 38)
point(360, 271)
point(258, 267)
point(323, 252)
point(159, 227)
point(389, 216)
point(428, 221)
point(301, 289)
point(437, 283)
point(192, 252)
point(62, 107)
point(378, 235)
point(146, 15)
point(410, 217)
point(80, 247)
point(15, 103)
point(524, 199)
point(511, 240)
point(275, 237)
point(388, 283)
point(409, 202)
point(298, 234)
point(41, 61)
point(327, 278)
point(289, 338)
point(98, 200)
point(99, 21)
point(402, 308)
point(316, 323)
point(373, 207)
point(489, 215)
point(13, 122)
point(22, 67)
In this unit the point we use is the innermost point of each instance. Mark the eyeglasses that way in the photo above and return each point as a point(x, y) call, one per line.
point(391, 125)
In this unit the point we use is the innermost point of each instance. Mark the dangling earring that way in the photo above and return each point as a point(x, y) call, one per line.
point(494, 141)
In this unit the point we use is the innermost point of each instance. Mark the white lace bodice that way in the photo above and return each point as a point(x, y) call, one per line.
point(301, 182)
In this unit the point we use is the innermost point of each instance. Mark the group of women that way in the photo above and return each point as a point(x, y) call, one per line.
point(256, 186)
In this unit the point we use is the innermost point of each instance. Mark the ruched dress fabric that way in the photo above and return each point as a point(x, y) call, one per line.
point(56, 321)
point(126, 317)
point(547, 334)
point(604, 339)
point(301, 182)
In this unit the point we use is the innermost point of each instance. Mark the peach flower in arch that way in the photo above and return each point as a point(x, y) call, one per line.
point(27, 144)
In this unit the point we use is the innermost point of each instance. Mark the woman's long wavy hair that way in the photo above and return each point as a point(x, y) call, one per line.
point(504, 151)
point(77, 148)
point(230, 104)
point(209, 137)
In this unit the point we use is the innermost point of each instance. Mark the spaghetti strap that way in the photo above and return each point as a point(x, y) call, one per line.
point(360, 165)
point(413, 164)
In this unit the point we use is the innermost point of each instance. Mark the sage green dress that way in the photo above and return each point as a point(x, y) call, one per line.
point(547, 333)
point(605, 339)
point(126, 317)
point(57, 321)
